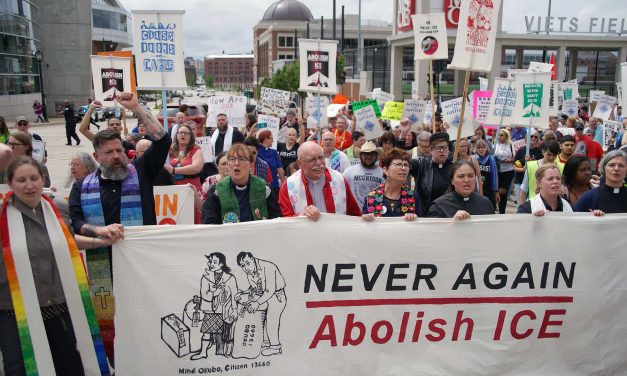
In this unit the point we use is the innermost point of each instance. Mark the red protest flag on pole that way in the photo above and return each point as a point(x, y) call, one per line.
point(554, 68)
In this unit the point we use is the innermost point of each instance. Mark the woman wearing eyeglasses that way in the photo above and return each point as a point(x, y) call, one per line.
point(239, 197)
point(186, 161)
point(22, 145)
point(393, 198)
point(462, 201)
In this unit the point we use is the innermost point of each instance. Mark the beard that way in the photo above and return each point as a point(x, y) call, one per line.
point(113, 172)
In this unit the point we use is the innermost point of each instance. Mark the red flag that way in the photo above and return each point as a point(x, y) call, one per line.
point(554, 68)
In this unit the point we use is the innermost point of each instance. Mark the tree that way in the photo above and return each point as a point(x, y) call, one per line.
point(341, 61)
point(209, 80)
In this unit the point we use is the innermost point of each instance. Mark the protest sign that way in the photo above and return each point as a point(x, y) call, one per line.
point(368, 102)
point(392, 110)
point(335, 307)
point(110, 76)
point(431, 42)
point(414, 110)
point(316, 108)
point(451, 111)
point(414, 90)
point(623, 74)
point(595, 94)
point(481, 104)
point(274, 101)
point(502, 103)
point(476, 34)
point(174, 205)
point(570, 107)
point(381, 97)
point(537, 67)
point(610, 130)
point(570, 90)
point(234, 106)
point(334, 109)
point(204, 143)
point(483, 84)
point(519, 144)
point(158, 46)
point(511, 73)
point(317, 65)
point(532, 104)
point(619, 92)
point(269, 122)
point(39, 150)
point(428, 113)
point(604, 106)
point(368, 123)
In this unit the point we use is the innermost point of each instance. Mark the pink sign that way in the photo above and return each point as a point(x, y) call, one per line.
point(481, 104)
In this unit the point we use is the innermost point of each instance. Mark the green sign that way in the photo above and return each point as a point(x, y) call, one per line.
point(568, 93)
point(366, 103)
point(532, 100)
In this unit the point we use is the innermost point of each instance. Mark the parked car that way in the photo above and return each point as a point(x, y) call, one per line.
point(195, 112)
point(98, 114)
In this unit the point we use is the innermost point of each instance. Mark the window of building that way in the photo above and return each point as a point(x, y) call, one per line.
point(285, 41)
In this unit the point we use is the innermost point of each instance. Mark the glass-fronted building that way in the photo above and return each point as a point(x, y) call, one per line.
point(19, 72)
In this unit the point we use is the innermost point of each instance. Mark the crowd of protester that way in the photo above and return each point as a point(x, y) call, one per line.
point(403, 173)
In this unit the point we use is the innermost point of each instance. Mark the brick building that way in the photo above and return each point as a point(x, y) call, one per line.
point(230, 71)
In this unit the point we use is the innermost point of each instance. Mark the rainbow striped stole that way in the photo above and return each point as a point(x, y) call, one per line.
point(32, 334)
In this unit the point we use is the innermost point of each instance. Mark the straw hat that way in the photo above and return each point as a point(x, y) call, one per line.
point(368, 147)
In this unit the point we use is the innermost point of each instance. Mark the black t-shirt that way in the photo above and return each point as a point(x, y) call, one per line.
point(287, 155)
point(534, 153)
point(441, 179)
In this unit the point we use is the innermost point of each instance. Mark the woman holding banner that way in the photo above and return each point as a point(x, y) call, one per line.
point(548, 189)
point(464, 154)
point(42, 282)
point(393, 198)
point(463, 201)
point(611, 195)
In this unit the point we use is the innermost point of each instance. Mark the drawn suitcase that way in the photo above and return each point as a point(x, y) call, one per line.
point(248, 336)
point(192, 317)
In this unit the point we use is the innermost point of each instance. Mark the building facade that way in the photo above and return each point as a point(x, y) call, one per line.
point(230, 72)
point(111, 26)
point(588, 49)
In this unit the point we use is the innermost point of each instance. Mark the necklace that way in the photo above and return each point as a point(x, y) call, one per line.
point(405, 198)
point(340, 140)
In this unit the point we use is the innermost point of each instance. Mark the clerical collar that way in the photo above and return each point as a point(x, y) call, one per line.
point(465, 199)
point(241, 187)
point(440, 165)
point(616, 191)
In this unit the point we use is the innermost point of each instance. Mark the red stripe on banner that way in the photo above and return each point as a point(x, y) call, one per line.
point(440, 301)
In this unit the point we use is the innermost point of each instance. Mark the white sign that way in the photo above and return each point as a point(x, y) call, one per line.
point(274, 101)
point(570, 90)
point(502, 103)
point(316, 108)
point(511, 73)
point(158, 49)
point(476, 34)
point(431, 42)
point(623, 74)
point(269, 122)
point(110, 76)
point(451, 111)
point(610, 130)
point(414, 110)
point(483, 84)
point(331, 308)
point(414, 90)
point(174, 205)
point(334, 109)
point(205, 145)
point(537, 67)
point(604, 106)
point(368, 123)
point(317, 65)
point(619, 92)
point(570, 107)
point(519, 144)
point(428, 113)
point(234, 106)
point(381, 97)
point(595, 94)
point(532, 100)
point(39, 149)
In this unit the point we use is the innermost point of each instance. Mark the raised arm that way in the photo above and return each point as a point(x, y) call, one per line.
point(153, 127)
point(84, 127)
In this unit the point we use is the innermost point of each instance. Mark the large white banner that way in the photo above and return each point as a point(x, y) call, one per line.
point(431, 41)
point(233, 106)
point(158, 49)
point(553, 304)
point(476, 34)
point(532, 100)
point(110, 75)
point(317, 65)
point(174, 205)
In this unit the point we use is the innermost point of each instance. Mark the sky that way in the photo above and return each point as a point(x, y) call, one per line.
point(213, 26)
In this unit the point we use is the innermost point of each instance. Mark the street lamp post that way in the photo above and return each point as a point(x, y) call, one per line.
point(40, 57)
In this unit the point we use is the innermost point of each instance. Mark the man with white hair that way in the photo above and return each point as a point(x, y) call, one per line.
point(316, 189)
point(333, 158)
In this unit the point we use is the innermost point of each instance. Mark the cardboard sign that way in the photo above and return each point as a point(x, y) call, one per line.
point(368, 123)
point(570, 107)
point(605, 104)
point(431, 41)
point(174, 204)
point(205, 145)
point(414, 110)
point(274, 101)
point(368, 102)
point(269, 122)
point(451, 111)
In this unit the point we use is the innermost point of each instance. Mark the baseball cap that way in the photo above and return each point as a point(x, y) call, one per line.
point(21, 118)
point(579, 126)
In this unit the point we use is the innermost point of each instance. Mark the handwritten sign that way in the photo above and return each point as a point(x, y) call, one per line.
point(269, 122)
point(234, 106)
point(204, 143)
point(274, 101)
point(368, 123)
point(414, 110)
point(392, 111)
point(481, 104)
